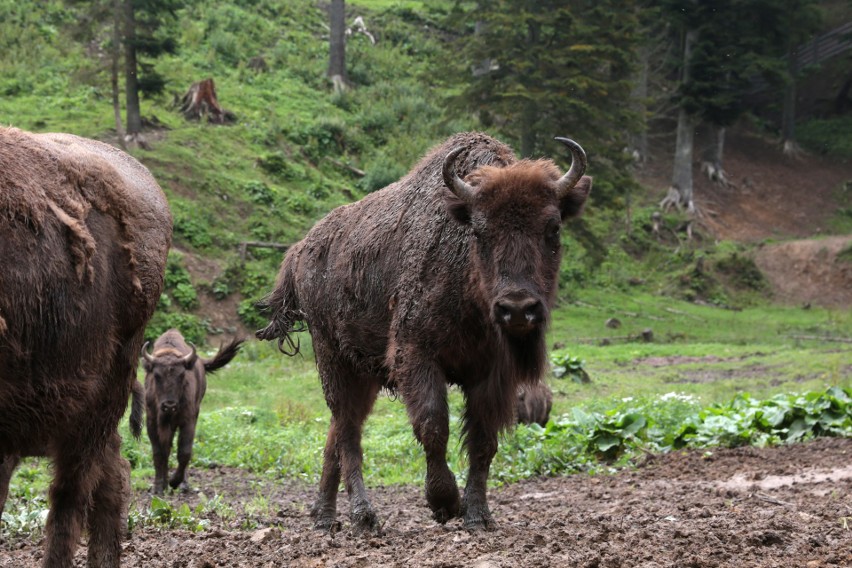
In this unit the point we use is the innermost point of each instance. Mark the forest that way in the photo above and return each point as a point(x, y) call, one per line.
point(699, 351)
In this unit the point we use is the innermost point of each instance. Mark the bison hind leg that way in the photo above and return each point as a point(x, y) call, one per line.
point(108, 514)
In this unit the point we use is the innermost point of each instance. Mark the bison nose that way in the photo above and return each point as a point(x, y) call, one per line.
point(519, 315)
point(168, 406)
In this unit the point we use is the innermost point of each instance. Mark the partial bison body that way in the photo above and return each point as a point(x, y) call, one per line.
point(534, 403)
point(444, 277)
point(84, 233)
point(175, 382)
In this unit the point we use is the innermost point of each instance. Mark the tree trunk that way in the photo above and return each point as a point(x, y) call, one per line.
point(115, 62)
point(200, 102)
point(682, 170)
point(337, 45)
point(788, 115)
point(131, 84)
point(639, 141)
point(712, 164)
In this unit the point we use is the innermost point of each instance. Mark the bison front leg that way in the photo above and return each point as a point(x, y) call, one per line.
point(484, 416)
point(185, 440)
point(424, 390)
point(161, 447)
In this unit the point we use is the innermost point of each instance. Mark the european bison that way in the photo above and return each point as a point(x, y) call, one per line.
point(534, 403)
point(84, 234)
point(437, 279)
point(175, 382)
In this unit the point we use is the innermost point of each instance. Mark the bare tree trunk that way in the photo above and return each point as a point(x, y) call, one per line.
point(712, 163)
point(114, 70)
point(337, 45)
point(131, 84)
point(682, 170)
point(788, 115)
point(639, 141)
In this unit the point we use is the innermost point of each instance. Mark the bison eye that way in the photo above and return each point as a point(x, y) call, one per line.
point(553, 230)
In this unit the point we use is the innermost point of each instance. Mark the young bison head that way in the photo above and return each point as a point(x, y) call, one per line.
point(515, 214)
point(168, 367)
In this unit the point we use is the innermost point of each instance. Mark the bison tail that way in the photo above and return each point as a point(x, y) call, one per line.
point(286, 318)
point(136, 406)
point(224, 356)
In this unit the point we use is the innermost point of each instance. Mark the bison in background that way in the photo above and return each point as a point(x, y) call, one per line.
point(84, 234)
point(534, 403)
point(175, 383)
point(444, 277)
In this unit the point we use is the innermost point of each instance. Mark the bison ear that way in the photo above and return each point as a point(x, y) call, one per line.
point(189, 362)
point(148, 366)
point(571, 204)
point(456, 208)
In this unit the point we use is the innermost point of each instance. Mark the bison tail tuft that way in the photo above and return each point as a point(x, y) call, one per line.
point(285, 317)
point(224, 355)
point(136, 407)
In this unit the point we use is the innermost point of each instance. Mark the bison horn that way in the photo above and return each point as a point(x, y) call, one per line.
point(578, 167)
point(463, 191)
point(146, 354)
point(190, 357)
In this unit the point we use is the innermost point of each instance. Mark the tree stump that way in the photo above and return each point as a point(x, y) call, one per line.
point(201, 102)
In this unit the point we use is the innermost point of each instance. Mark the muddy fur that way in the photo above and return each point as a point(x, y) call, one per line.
point(84, 234)
point(400, 291)
point(175, 374)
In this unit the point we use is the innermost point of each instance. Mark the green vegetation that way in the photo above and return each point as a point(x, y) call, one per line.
point(828, 136)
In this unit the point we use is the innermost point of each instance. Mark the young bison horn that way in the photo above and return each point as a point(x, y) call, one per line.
point(463, 191)
point(145, 352)
point(578, 167)
point(190, 357)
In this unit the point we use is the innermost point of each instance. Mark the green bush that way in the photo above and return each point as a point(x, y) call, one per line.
point(382, 171)
point(827, 136)
point(191, 326)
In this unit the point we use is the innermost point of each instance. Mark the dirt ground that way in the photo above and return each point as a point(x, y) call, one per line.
point(744, 507)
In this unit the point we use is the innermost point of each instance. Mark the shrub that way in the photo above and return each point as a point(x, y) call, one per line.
point(382, 171)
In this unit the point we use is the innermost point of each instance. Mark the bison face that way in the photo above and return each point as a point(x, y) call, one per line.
point(166, 377)
point(515, 215)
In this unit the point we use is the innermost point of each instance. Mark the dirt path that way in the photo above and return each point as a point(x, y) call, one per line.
point(808, 271)
point(787, 506)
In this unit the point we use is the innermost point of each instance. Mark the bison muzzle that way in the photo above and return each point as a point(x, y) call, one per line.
point(444, 277)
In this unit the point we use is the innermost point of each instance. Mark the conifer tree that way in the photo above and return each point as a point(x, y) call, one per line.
point(536, 69)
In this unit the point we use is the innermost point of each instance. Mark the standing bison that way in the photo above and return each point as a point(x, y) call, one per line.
point(84, 234)
point(175, 382)
point(444, 277)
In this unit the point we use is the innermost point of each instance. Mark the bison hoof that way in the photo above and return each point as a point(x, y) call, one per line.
point(443, 515)
point(476, 519)
point(365, 522)
point(328, 524)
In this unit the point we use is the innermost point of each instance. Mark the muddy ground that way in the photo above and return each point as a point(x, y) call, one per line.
point(745, 507)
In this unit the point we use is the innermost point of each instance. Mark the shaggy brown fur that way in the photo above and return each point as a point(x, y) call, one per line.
point(534, 403)
point(84, 234)
point(175, 383)
point(407, 290)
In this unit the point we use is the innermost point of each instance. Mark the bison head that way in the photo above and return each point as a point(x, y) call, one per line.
point(166, 374)
point(515, 214)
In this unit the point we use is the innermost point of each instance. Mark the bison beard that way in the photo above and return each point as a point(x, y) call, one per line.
point(84, 234)
point(444, 277)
